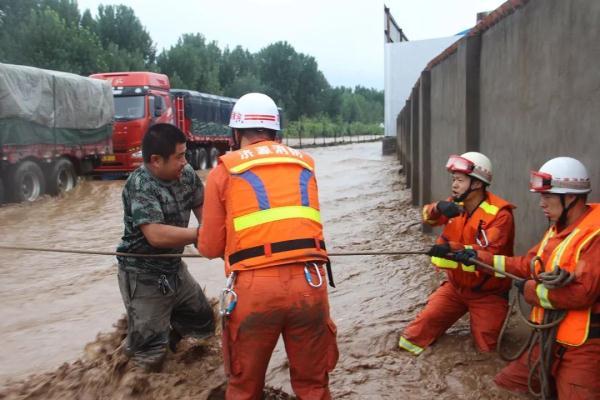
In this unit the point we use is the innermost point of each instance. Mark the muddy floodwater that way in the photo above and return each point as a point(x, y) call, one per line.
point(54, 305)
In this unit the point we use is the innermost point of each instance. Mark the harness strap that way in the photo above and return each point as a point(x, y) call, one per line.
point(329, 273)
point(276, 247)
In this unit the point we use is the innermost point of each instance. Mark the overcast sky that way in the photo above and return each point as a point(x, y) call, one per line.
point(344, 36)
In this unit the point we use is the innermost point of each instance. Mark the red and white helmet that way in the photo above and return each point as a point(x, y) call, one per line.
point(472, 164)
point(255, 110)
point(560, 175)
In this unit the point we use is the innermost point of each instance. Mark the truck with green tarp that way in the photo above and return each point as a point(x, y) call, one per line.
point(54, 126)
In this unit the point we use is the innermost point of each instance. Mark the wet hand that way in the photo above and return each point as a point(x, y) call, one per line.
point(449, 208)
point(464, 256)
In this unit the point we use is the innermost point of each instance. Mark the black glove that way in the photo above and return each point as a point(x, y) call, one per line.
point(464, 256)
point(439, 250)
point(449, 208)
point(520, 284)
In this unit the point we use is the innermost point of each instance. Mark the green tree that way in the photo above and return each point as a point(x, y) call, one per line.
point(195, 62)
point(293, 79)
point(279, 68)
point(244, 84)
point(79, 50)
point(236, 64)
point(119, 26)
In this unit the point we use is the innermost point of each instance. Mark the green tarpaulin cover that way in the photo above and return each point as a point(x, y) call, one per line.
point(39, 106)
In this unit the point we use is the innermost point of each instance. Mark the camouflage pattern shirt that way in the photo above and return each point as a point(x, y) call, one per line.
point(149, 200)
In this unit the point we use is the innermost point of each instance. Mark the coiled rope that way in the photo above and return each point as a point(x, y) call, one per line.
point(541, 335)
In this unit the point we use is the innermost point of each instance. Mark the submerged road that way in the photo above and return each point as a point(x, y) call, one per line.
point(53, 304)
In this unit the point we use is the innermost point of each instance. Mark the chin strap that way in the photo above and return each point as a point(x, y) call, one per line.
point(236, 144)
point(462, 197)
point(562, 220)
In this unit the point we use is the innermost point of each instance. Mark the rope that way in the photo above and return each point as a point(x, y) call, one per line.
point(543, 335)
point(121, 254)
point(495, 270)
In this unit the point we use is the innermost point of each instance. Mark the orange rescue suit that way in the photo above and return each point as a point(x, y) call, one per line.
point(479, 232)
point(577, 249)
point(272, 204)
point(574, 328)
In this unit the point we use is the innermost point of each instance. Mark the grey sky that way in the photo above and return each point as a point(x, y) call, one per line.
point(345, 37)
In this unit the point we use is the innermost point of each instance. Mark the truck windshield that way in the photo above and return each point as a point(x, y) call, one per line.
point(128, 108)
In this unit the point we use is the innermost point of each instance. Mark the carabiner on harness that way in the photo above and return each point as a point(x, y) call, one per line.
point(481, 232)
point(309, 277)
point(228, 298)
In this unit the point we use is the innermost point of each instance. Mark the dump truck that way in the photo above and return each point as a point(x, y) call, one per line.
point(54, 127)
point(143, 99)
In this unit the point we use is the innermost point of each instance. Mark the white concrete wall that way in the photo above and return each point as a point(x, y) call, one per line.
point(404, 62)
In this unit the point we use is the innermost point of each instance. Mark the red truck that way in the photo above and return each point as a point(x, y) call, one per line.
point(54, 126)
point(146, 98)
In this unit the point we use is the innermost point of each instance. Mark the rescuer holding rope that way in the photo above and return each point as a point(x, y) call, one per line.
point(562, 283)
point(261, 215)
point(474, 218)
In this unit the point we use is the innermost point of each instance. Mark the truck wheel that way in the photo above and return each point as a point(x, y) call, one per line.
point(62, 177)
point(190, 155)
point(201, 158)
point(27, 182)
point(213, 157)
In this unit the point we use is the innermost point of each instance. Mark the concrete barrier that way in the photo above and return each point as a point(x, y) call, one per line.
point(522, 87)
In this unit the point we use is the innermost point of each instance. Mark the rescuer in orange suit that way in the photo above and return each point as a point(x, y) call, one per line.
point(484, 221)
point(572, 243)
point(261, 214)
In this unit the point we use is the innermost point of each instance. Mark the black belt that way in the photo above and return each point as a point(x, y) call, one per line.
point(277, 247)
point(280, 247)
point(594, 332)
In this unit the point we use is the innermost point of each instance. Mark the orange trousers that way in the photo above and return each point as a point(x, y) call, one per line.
point(278, 301)
point(576, 373)
point(445, 306)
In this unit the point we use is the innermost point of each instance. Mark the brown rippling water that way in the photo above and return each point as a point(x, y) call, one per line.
point(53, 304)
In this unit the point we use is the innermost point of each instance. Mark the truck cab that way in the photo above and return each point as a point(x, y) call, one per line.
point(141, 100)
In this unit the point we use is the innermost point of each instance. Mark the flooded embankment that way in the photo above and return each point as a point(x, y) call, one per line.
point(54, 305)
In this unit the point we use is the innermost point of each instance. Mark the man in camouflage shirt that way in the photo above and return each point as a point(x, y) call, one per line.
point(163, 301)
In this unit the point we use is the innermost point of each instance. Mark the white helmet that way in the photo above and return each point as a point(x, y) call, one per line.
point(560, 175)
point(472, 164)
point(255, 110)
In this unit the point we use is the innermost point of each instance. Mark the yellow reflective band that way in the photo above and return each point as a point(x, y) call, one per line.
point(426, 218)
point(488, 208)
point(582, 245)
point(413, 348)
point(275, 214)
point(468, 268)
point(268, 161)
point(500, 264)
point(443, 263)
point(547, 237)
point(542, 294)
point(561, 248)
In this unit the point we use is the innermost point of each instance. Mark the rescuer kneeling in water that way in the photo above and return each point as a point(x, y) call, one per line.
point(261, 215)
point(484, 221)
point(561, 275)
